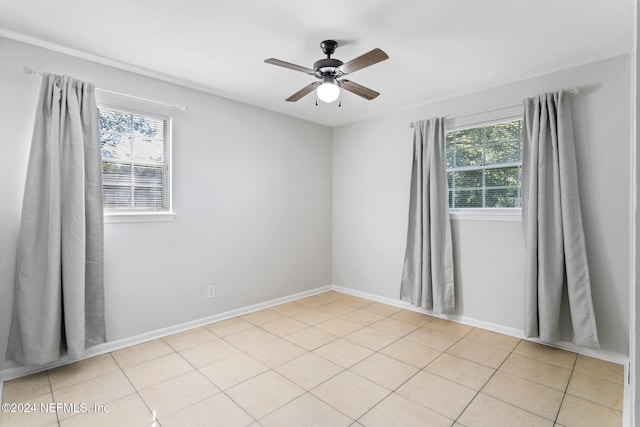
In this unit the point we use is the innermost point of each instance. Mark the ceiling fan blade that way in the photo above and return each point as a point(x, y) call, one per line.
point(359, 90)
point(372, 57)
point(289, 65)
point(303, 92)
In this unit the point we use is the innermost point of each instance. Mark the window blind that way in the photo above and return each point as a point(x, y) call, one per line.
point(136, 161)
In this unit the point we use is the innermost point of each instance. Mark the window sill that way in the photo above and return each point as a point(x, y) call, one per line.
point(114, 218)
point(491, 214)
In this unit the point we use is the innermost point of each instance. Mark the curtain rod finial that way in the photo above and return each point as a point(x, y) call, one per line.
point(31, 72)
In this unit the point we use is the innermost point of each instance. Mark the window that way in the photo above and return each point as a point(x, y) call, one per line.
point(136, 161)
point(484, 166)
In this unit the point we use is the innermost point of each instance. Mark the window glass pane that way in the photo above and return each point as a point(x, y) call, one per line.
point(502, 198)
point(148, 151)
point(116, 185)
point(115, 197)
point(119, 148)
point(504, 132)
point(116, 173)
point(502, 177)
point(506, 152)
point(148, 186)
point(469, 179)
point(468, 199)
point(115, 121)
point(114, 128)
point(450, 150)
point(468, 155)
point(464, 148)
point(472, 136)
point(147, 127)
point(148, 197)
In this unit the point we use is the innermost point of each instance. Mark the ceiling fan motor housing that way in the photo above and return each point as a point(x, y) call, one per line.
point(326, 66)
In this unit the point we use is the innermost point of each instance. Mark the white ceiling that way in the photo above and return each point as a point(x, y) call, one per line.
point(437, 48)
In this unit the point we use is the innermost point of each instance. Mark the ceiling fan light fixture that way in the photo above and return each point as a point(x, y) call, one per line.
point(328, 91)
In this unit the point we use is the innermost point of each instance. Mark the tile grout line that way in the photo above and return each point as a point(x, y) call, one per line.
point(477, 392)
point(78, 383)
point(153, 412)
point(442, 352)
point(343, 369)
point(53, 397)
point(573, 371)
point(544, 385)
point(485, 384)
point(408, 379)
point(272, 369)
point(566, 389)
point(307, 352)
point(398, 387)
point(196, 369)
point(351, 366)
point(398, 338)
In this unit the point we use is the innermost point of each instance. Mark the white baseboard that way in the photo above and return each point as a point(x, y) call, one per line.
point(627, 399)
point(609, 356)
point(108, 347)
point(21, 371)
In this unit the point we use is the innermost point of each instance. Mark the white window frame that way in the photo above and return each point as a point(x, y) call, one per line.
point(145, 215)
point(485, 118)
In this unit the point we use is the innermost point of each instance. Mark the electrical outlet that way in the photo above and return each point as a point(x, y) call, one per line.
point(211, 291)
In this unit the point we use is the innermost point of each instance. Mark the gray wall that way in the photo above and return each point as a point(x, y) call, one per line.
point(252, 192)
point(267, 206)
point(371, 171)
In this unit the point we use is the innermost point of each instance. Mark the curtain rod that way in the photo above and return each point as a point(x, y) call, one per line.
point(30, 72)
point(572, 91)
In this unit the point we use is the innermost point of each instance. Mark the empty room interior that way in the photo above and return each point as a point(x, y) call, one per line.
point(293, 213)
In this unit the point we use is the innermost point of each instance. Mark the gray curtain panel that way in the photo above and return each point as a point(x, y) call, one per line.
point(59, 296)
point(427, 277)
point(556, 253)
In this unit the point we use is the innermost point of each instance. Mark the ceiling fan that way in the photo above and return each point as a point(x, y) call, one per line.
point(330, 72)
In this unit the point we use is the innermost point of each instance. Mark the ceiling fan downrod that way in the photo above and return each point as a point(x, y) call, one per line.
point(328, 66)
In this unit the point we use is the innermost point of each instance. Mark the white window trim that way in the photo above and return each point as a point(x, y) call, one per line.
point(485, 118)
point(488, 117)
point(486, 214)
point(115, 218)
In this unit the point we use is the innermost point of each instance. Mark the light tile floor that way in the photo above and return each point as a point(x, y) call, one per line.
point(327, 360)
